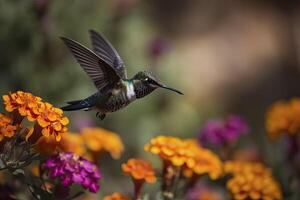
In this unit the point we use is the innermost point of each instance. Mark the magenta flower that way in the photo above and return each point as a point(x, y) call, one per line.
point(158, 47)
point(223, 131)
point(70, 168)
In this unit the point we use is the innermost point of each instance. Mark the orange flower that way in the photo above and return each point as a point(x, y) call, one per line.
point(50, 121)
point(204, 161)
point(71, 142)
point(283, 117)
point(25, 103)
point(116, 196)
point(139, 170)
point(171, 149)
point(251, 181)
point(6, 127)
point(186, 153)
point(98, 140)
point(251, 186)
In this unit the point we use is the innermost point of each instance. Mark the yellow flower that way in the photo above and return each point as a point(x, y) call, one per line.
point(116, 196)
point(203, 161)
point(139, 170)
point(171, 149)
point(25, 103)
point(71, 142)
point(7, 129)
point(98, 140)
point(188, 154)
point(283, 118)
point(251, 181)
point(251, 186)
point(50, 121)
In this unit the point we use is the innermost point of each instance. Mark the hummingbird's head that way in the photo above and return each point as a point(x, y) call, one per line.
point(147, 82)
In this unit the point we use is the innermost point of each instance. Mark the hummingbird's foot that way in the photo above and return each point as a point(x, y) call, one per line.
point(101, 116)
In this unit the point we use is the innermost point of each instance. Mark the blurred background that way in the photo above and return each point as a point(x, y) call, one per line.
point(235, 56)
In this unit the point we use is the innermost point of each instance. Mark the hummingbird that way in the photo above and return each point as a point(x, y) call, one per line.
point(107, 70)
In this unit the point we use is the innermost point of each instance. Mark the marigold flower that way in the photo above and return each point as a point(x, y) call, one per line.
point(223, 131)
point(251, 186)
point(70, 168)
point(7, 129)
point(50, 121)
point(186, 153)
point(98, 140)
point(283, 117)
point(25, 103)
point(71, 142)
point(171, 149)
point(204, 161)
point(116, 196)
point(139, 170)
point(251, 181)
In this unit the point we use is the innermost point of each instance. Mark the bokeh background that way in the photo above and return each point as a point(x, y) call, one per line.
point(234, 56)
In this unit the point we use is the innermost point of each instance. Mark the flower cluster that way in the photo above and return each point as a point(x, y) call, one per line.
point(283, 118)
point(67, 156)
point(223, 131)
point(24, 103)
point(251, 181)
point(171, 149)
point(204, 162)
point(98, 140)
point(49, 119)
point(186, 154)
point(70, 168)
point(116, 196)
point(71, 142)
point(7, 129)
point(139, 170)
point(90, 143)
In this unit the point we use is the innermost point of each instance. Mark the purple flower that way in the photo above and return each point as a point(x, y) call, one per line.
point(223, 131)
point(70, 168)
point(158, 47)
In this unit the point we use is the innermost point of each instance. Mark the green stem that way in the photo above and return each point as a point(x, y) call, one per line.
point(171, 181)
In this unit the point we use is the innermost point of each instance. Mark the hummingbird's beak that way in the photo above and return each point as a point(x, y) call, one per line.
point(169, 88)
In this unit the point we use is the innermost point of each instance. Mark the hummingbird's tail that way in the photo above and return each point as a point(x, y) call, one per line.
point(76, 105)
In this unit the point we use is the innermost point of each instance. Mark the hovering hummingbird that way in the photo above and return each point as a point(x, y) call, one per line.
point(107, 70)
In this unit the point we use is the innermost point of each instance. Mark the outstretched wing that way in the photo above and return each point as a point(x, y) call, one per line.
point(104, 49)
point(97, 68)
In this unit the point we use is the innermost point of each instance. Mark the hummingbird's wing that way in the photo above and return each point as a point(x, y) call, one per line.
point(104, 49)
point(100, 72)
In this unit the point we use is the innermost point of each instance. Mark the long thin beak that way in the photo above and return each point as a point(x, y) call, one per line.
point(172, 89)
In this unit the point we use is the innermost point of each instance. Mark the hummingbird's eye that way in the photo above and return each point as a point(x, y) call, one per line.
point(147, 79)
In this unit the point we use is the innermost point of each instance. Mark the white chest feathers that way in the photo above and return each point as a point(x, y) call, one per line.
point(130, 92)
